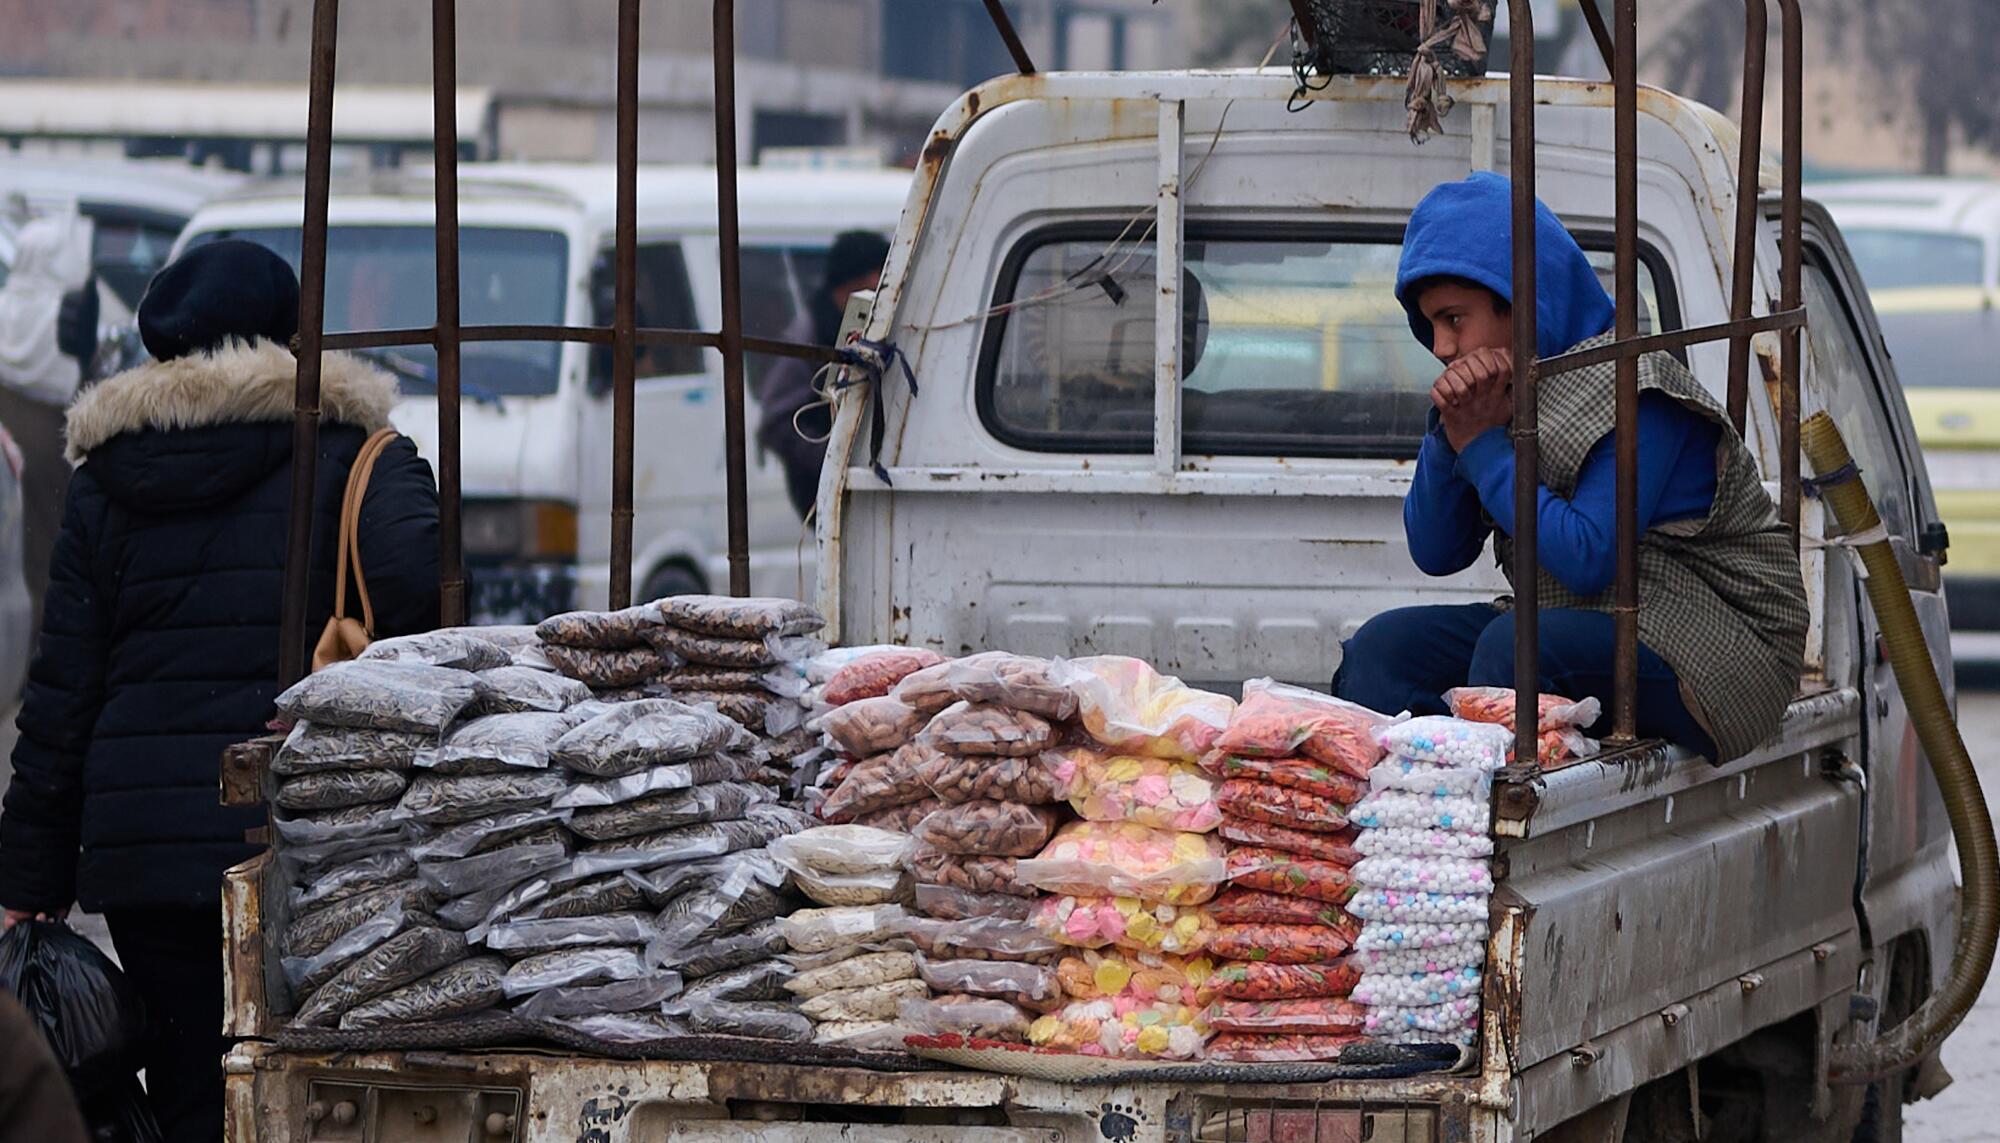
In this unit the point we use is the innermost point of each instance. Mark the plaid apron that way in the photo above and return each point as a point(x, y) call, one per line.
point(1721, 599)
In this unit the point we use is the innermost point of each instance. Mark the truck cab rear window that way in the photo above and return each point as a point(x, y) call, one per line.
point(1294, 345)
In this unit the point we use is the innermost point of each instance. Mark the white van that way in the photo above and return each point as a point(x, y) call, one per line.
point(536, 429)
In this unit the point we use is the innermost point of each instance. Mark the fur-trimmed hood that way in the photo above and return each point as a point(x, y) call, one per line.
point(236, 384)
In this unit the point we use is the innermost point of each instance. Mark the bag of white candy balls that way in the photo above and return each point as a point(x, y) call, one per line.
point(1449, 742)
point(1422, 842)
point(1451, 1016)
point(1416, 990)
point(1433, 874)
point(1419, 908)
point(1385, 937)
point(1397, 809)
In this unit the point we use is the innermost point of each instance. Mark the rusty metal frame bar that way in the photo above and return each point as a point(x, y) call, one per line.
point(1671, 340)
point(444, 145)
point(1004, 24)
point(1790, 229)
point(730, 240)
point(625, 303)
point(1526, 430)
point(1749, 161)
point(1625, 431)
point(1593, 18)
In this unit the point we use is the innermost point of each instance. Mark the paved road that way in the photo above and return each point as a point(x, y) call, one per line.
point(1968, 1112)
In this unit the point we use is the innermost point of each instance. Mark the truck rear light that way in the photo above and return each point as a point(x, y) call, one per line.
point(520, 529)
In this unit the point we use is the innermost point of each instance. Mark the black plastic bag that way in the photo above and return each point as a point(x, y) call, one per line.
point(93, 1018)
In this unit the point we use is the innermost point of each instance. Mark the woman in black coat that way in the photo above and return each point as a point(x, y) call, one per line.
point(159, 639)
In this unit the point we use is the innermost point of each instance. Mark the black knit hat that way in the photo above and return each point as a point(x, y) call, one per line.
point(217, 292)
point(854, 253)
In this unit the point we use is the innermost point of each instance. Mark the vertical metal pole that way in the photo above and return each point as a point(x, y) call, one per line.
point(444, 143)
point(1790, 297)
point(732, 294)
point(625, 313)
point(1749, 157)
point(1625, 433)
point(998, 12)
point(1167, 333)
point(312, 317)
point(1527, 444)
point(1593, 18)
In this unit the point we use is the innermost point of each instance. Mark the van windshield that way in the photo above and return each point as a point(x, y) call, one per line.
point(384, 277)
point(1889, 259)
point(1940, 339)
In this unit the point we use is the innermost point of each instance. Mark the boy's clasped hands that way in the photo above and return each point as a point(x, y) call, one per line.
point(1475, 393)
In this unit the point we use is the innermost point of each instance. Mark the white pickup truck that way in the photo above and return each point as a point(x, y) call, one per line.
point(1676, 945)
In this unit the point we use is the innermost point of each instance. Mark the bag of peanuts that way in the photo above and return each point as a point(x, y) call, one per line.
point(970, 873)
point(993, 829)
point(872, 726)
point(878, 782)
point(949, 904)
point(981, 728)
point(1033, 779)
point(1016, 682)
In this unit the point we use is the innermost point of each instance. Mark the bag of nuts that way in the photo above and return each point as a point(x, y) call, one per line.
point(1031, 780)
point(979, 728)
point(993, 829)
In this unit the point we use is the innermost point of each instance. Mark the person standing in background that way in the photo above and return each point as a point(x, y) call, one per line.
point(796, 420)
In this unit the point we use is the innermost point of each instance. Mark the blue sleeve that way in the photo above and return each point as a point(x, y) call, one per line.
point(1578, 535)
point(1441, 519)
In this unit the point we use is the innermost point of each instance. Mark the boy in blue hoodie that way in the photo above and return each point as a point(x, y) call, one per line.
point(1455, 281)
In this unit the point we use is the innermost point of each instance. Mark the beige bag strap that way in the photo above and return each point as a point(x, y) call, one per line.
point(350, 529)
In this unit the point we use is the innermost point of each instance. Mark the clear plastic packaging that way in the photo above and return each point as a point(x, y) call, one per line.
point(860, 1035)
point(1153, 1030)
point(1417, 990)
point(752, 710)
point(1130, 707)
point(414, 697)
point(474, 913)
point(1016, 682)
point(600, 630)
point(725, 651)
point(1389, 937)
point(1449, 742)
point(1297, 773)
point(1145, 977)
point(1423, 842)
point(694, 772)
point(627, 1027)
point(983, 938)
point(314, 842)
point(311, 933)
point(1146, 926)
point(1395, 809)
point(820, 930)
point(1415, 907)
point(991, 829)
point(875, 674)
point(305, 972)
point(957, 1014)
point(842, 850)
point(1277, 1048)
point(751, 891)
point(759, 825)
point(1124, 859)
point(529, 937)
point(764, 980)
point(1453, 1016)
point(860, 971)
point(310, 748)
point(1252, 980)
point(500, 868)
point(636, 736)
point(403, 958)
point(1034, 780)
point(455, 649)
point(756, 1020)
point(1431, 874)
point(568, 968)
point(949, 904)
point(1496, 705)
point(984, 728)
point(607, 670)
point(928, 690)
point(338, 789)
point(1276, 720)
point(1434, 781)
point(509, 637)
point(1341, 847)
point(738, 617)
point(759, 942)
point(594, 897)
point(1323, 1015)
point(1035, 987)
point(872, 726)
point(890, 885)
point(373, 871)
point(455, 990)
point(1272, 804)
point(1275, 871)
point(497, 743)
point(1279, 944)
point(1240, 906)
point(879, 782)
point(438, 800)
point(897, 819)
point(636, 995)
point(1422, 962)
point(483, 833)
point(870, 1002)
point(719, 801)
point(1150, 791)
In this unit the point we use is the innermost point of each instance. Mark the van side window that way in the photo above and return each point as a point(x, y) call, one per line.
point(1848, 385)
point(666, 301)
point(1295, 344)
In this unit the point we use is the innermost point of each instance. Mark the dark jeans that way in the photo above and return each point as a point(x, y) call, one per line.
point(174, 956)
point(1407, 658)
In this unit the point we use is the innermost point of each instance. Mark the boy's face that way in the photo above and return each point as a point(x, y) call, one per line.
point(1463, 319)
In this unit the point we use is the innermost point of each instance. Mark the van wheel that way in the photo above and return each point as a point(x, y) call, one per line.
point(671, 579)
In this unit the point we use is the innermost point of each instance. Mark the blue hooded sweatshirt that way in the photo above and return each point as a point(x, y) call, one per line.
point(1464, 230)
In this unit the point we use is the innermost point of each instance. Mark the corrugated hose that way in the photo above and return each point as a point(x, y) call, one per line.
point(1971, 826)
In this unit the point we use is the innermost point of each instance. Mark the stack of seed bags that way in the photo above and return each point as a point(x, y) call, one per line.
point(1425, 882)
point(848, 976)
point(607, 650)
point(363, 946)
point(745, 657)
point(984, 756)
point(1292, 763)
